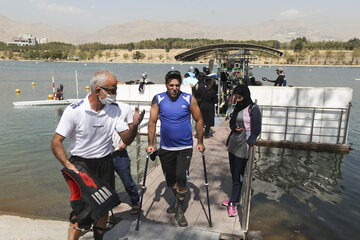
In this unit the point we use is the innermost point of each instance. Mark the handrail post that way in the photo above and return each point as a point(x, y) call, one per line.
point(286, 122)
point(339, 129)
point(312, 125)
point(137, 157)
point(245, 198)
point(347, 123)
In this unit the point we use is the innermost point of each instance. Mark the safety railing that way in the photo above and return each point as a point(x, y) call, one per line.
point(245, 196)
point(138, 153)
point(328, 125)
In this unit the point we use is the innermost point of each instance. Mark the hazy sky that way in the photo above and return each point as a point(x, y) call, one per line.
point(95, 14)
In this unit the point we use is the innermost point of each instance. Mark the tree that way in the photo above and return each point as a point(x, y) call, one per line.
point(290, 59)
point(355, 55)
point(138, 55)
point(340, 57)
point(131, 46)
point(299, 44)
point(100, 54)
point(126, 56)
point(107, 54)
point(316, 55)
point(328, 55)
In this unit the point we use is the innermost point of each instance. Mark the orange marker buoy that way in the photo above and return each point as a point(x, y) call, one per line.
point(33, 83)
point(51, 97)
point(17, 91)
point(87, 88)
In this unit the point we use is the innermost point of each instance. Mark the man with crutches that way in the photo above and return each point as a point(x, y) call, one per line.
point(174, 108)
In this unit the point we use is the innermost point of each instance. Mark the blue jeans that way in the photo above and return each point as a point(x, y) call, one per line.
point(122, 168)
point(237, 168)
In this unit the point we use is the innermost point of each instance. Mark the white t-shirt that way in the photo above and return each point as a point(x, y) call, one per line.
point(90, 132)
point(127, 116)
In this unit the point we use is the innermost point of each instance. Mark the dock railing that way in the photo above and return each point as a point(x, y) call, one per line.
point(245, 196)
point(307, 125)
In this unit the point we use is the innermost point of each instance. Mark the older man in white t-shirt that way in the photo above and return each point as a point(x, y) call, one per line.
point(89, 125)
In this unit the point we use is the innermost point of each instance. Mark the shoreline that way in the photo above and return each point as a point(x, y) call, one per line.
point(181, 63)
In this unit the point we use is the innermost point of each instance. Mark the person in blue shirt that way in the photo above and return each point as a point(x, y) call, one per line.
point(174, 108)
point(189, 80)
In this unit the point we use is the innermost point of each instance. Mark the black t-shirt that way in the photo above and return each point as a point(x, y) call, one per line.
point(279, 81)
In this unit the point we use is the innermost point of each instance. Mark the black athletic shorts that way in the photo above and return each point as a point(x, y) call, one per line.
point(175, 165)
point(100, 168)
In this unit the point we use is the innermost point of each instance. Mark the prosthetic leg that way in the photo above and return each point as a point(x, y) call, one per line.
point(180, 209)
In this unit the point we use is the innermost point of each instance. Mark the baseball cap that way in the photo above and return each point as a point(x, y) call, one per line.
point(279, 70)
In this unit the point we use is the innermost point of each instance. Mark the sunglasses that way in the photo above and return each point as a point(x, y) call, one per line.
point(112, 91)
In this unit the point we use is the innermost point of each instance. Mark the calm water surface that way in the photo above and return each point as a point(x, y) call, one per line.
point(297, 194)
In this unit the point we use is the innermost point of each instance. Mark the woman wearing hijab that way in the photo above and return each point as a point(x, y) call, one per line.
point(245, 125)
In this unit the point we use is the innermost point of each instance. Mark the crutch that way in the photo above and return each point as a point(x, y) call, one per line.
point(142, 191)
point(207, 188)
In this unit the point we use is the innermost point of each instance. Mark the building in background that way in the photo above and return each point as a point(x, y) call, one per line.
point(27, 39)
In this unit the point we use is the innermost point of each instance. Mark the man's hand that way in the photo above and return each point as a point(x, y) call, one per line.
point(72, 167)
point(239, 129)
point(138, 117)
point(121, 146)
point(200, 147)
point(150, 149)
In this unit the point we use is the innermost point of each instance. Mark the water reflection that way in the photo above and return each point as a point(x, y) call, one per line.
point(302, 174)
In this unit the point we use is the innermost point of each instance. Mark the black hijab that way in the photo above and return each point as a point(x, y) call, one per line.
point(243, 91)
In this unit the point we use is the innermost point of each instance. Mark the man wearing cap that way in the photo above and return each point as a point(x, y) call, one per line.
point(174, 108)
point(280, 79)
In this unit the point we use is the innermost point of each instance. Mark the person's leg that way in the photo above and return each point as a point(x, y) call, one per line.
point(207, 131)
point(168, 161)
point(182, 176)
point(100, 227)
point(122, 168)
point(237, 167)
point(73, 232)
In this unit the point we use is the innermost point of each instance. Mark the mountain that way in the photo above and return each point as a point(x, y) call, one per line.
point(135, 31)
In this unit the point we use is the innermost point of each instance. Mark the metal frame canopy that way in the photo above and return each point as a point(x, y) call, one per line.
point(224, 49)
point(233, 66)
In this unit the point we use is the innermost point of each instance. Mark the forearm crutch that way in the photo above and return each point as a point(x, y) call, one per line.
point(207, 188)
point(142, 191)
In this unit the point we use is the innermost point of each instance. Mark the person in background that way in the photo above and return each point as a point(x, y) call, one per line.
point(196, 72)
point(253, 82)
point(189, 80)
point(89, 124)
point(122, 160)
point(174, 108)
point(245, 125)
point(59, 94)
point(280, 79)
point(205, 93)
point(190, 71)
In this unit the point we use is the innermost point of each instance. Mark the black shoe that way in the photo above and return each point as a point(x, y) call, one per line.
point(171, 209)
point(180, 217)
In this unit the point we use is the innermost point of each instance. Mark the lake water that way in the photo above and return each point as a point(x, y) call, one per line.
point(297, 194)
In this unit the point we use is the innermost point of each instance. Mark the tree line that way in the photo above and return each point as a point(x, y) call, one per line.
point(65, 51)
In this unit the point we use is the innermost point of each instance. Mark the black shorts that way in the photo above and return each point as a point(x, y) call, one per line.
point(100, 168)
point(175, 165)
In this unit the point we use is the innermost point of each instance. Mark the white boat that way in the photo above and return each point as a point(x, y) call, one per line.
point(51, 102)
point(45, 102)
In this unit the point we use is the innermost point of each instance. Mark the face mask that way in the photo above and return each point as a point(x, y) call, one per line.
point(109, 98)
